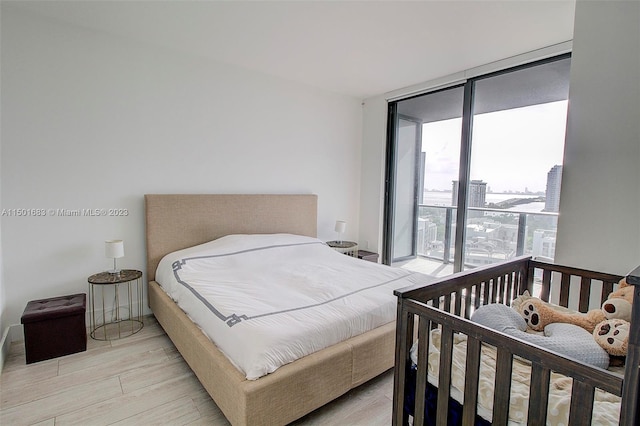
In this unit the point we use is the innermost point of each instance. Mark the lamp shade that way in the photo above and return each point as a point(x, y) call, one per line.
point(341, 226)
point(114, 249)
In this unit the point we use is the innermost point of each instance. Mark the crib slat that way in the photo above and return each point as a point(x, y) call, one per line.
point(471, 381)
point(477, 291)
point(421, 381)
point(444, 379)
point(404, 332)
point(564, 289)
point(538, 391)
point(492, 283)
point(585, 286)
point(486, 285)
point(501, 289)
point(546, 285)
point(509, 289)
point(411, 321)
point(458, 302)
point(502, 390)
point(467, 302)
point(525, 278)
point(435, 302)
point(581, 404)
point(607, 287)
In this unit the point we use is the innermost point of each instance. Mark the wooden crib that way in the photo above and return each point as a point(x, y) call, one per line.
point(447, 305)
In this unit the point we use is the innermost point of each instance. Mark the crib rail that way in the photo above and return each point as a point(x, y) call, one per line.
point(449, 303)
point(584, 281)
point(629, 409)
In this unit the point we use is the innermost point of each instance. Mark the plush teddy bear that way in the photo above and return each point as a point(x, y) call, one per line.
point(609, 324)
point(613, 336)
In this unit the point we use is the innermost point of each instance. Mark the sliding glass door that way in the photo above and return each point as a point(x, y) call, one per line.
point(518, 139)
point(473, 171)
point(435, 121)
point(406, 176)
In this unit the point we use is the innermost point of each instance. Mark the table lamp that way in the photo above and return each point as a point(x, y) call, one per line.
point(341, 226)
point(114, 249)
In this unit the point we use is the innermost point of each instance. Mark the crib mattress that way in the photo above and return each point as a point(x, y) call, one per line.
point(606, 406)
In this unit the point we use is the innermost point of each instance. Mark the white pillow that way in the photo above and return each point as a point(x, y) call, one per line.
point(566, 339)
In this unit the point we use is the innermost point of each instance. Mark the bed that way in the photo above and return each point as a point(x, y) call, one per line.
point(178, 222)
point(451, 369)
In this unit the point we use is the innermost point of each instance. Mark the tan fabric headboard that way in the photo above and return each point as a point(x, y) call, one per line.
point(178, 221)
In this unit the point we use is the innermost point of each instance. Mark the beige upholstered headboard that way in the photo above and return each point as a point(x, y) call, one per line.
point(178, 221)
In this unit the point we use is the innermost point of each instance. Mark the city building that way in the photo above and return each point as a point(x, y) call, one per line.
point(477, 193)
point(544, 244)
point(554, 178)
point(427, 236)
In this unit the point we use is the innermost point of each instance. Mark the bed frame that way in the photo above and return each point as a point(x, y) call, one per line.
point(449, 302)
point(174, 222)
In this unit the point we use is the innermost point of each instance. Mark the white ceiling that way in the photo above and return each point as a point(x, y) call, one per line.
point(357, 48)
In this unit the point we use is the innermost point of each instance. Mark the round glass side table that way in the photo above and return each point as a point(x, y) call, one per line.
point(113, 320)
point(347, 247)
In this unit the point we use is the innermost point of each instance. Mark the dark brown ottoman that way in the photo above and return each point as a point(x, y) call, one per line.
point(54, 327)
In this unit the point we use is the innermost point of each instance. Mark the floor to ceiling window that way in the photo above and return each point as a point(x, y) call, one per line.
point(474, 170)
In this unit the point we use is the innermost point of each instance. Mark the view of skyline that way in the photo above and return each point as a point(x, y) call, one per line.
point(512, 150)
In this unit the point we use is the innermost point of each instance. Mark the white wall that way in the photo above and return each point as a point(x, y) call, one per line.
point(599, 223)
point(4, 341)
point(90, 120)
point(4, 347)
point(373, 173)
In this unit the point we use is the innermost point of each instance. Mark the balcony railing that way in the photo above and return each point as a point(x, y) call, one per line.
point(493, 235)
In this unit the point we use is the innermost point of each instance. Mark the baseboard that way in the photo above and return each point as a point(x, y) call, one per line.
point(11, 334)
point(5, 345)
point(15, 332)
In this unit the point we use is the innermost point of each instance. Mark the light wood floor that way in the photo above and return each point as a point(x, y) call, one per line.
point(143, 380)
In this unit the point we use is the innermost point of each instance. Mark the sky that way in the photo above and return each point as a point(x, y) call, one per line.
point(512, 150)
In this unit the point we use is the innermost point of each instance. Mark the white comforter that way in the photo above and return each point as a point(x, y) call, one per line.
point(267, 300)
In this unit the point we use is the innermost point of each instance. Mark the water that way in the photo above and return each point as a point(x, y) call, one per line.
point(437, 198)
